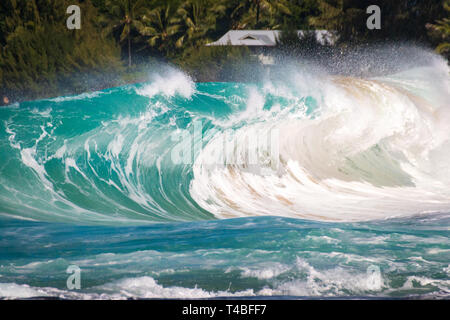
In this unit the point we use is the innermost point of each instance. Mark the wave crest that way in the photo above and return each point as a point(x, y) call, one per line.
point(373, 149)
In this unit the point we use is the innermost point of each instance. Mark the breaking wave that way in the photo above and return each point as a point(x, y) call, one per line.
point(303, 144)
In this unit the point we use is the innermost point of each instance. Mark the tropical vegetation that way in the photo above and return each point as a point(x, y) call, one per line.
point(40, 56)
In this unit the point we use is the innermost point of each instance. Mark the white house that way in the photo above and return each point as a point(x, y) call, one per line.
point(266, 38)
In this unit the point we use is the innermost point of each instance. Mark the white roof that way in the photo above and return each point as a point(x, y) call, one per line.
point(267, 38)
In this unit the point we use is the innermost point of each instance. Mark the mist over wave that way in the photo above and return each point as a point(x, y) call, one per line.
point(327, 147)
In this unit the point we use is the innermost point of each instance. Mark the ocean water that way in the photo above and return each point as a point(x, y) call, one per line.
point(301, 185)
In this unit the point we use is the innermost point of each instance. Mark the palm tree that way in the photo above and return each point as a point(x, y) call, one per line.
point(252, 10)
point(198, 17)
point(163, 26)
point(124, 15)
point(270, 6)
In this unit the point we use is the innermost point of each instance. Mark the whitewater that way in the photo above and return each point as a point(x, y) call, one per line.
point(293, 186)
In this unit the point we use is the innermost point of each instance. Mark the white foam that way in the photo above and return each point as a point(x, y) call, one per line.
point(173, 82)
point(329, 282)
point(140, 287)
point(83, 96)
point(268, 272)
point(147, 287)
point(413, 282)
point(13, 290)
point(373, 151)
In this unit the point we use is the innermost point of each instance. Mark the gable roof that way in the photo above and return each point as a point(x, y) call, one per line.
point(266, 38)
point(247, 38)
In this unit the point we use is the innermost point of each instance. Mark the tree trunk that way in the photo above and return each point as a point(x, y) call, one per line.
point(129, 51)
point(257, 11)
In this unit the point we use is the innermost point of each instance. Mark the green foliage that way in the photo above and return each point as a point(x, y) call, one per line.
point(257, 14)
point(301, 12)
point(40, 57)
point(198, 21)
point(403, 20)
point(222, 62)
point(162, 26)
point(122, 17)
point(441, 32)
point(254, 14)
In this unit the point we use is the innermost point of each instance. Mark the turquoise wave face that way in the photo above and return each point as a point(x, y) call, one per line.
point(107, 157)
point(301, 186)
point(103, 157)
